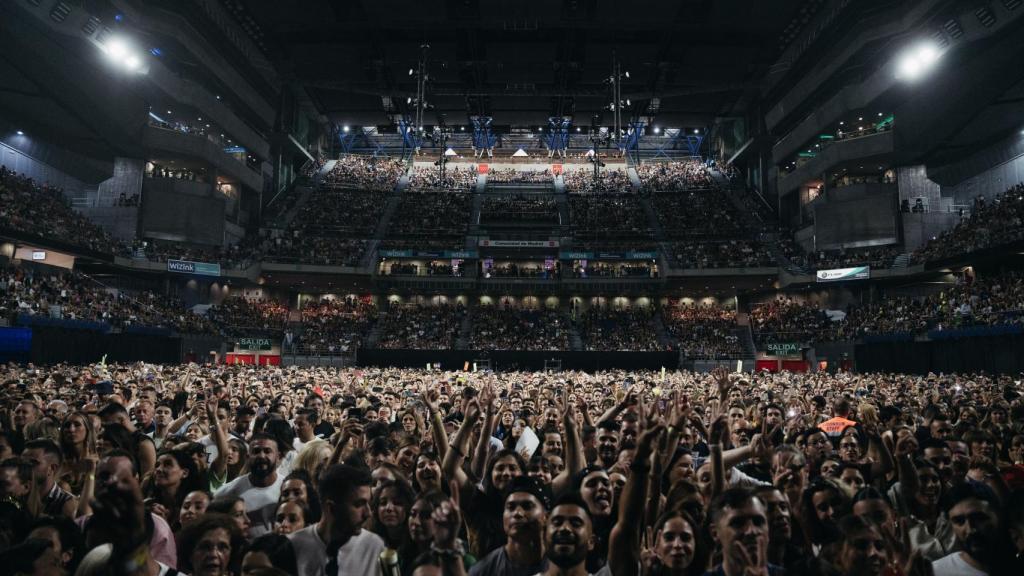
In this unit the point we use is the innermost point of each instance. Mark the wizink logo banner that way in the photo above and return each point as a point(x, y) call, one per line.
point(840, 274)
point(181, 266)
point(198, 268)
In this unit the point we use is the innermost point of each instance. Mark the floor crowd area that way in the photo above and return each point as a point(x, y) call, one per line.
point(229, 470)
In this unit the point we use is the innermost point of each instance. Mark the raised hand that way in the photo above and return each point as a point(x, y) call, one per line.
point(447, 520)
point(719, 430)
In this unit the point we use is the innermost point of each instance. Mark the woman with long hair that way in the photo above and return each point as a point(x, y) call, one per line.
point(174, 477)
point(78, 444)
point(313, 457)
point(299, 487)
point(238, 458)
point(420, 525)
point(390, 506)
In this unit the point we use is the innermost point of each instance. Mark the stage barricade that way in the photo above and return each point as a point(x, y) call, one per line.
point(51, 345)
point(522, 360)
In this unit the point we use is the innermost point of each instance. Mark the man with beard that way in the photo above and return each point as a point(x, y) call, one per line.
point(523, 519)
point(607, 443)
point(972, 510)
point(337, 545)
point(261, 487)
point(739, 525)
point(569, 539)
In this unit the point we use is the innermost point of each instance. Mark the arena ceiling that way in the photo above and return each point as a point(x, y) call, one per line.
point(521, 61)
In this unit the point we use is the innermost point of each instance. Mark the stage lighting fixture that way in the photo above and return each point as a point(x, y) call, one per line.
point(916, 61)
point(132, 62)
point(116, 48)
point(20, 133)
point(345, 128)
point(410, 71)
point(628, 103)
point(657, 130)
point(627, 73)
point(696, 131)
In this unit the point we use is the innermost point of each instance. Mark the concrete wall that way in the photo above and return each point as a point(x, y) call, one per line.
point(43, 173)
point(989, 183)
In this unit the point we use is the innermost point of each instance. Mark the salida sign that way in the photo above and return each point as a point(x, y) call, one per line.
point(262, 344)
point(783, 348)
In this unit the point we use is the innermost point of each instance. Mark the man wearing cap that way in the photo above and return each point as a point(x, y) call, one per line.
point(523, 518)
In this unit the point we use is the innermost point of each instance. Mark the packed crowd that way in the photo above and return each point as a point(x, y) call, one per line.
point(786, 319)
point(992, 222)
point(520, 270)
point(239, 255)
point(610, 182)
point(431, 214)
point(703, 330)
point(507, 327)
point(228, 470)
point(335, 326)
point(249, 316)
point(514, 176)
point(519, 208)
point(724, 254)
point(354, 213)
point(73, 296)
point(608, 216)
point(881, 257)
point(365, 173)
point(707, 213)
point(619, 330)
point(614, 270)
point(971, 302)
point(455, 179)
point(311, 247)
point(421, 327)
point(683, 175)
point(28, 207)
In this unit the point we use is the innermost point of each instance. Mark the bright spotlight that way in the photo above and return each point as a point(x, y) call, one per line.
point(410, 71)
point(116, 48)
point(916, 61)
point(696, 131)
point(345, 128)
point(132, 62)
point(657, 130)
point(20, 133)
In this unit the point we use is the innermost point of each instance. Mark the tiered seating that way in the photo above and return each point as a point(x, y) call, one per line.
point(512, 328)
point(245, 317)
point(421, 327)
point(788, 320)
point(683, 175)
point(720, 254)
point(707, 213)
point(365, 173)
point(336, 326)
point(620, 215)
point(703, 330)
point(519, 208)
point(30, 208)
point(513, 176)
point(72, 296)
point(455, 180)
point(610, 182)
point(992, 223)
point(432, 214)
point(619, 330)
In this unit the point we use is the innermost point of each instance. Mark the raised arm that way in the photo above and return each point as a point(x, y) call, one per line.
point(219, 466)
point(453, 460)
point(719, 430)
point(429, 399)
point(624, 542)
point(575, 460)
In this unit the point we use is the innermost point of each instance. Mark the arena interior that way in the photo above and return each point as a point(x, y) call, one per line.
point(511, 288)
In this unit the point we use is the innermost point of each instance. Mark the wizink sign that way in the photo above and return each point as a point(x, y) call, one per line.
point(198, 268)
point(840, 274)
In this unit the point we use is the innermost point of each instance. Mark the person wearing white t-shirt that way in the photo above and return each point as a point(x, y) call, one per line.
point(261, 487)
point(337, 545)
